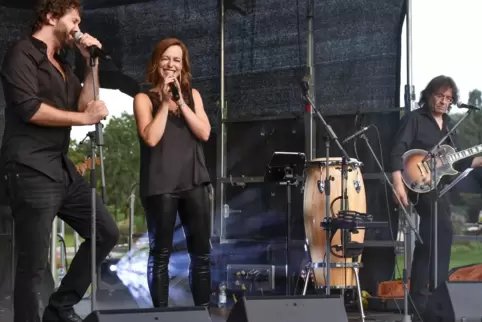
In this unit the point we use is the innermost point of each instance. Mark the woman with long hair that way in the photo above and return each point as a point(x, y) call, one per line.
point(172, 124)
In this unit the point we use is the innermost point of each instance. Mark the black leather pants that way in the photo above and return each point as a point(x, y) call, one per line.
point(161, 211)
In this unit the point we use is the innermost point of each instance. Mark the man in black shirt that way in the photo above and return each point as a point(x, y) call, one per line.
point(44, 99)
point(423, 129)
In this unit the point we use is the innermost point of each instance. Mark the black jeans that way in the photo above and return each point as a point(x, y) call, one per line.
point(161, 211)
point(422, 275)
point(35, 201)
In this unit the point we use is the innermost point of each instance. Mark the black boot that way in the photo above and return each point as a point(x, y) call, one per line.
point(200, 279)
point(158, 277)
point(63, 315)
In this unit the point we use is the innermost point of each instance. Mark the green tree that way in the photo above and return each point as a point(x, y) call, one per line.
point(121, 157)
point(470, 130)
point(470, 134)
point(76, 153)
point(121, 160)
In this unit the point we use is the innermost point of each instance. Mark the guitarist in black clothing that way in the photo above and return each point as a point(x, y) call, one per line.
point(422, 129)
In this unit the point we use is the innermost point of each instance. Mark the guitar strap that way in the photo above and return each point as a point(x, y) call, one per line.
point(452, 141)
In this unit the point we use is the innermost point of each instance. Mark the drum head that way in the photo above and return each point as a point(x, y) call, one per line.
point(335, 161)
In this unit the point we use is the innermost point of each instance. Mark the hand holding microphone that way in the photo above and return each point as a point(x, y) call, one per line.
point(169, 88)
point(174, 91)
point(89, 46)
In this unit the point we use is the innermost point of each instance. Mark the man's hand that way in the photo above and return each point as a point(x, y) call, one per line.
point(399, 187)
point(82, 168)
point(477, 162)
point(86, 41)
point(95, 112)
point(401, 193)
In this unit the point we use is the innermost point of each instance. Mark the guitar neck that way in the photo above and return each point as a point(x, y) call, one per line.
point(465, 153)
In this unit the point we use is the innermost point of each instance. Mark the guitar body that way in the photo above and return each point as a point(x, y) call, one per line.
point(417, 173)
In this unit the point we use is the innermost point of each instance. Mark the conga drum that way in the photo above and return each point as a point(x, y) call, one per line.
point(314, 214)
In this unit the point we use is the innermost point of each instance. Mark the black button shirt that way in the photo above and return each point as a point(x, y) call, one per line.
point(419, 130)
point(29, 79)
point(176, 163)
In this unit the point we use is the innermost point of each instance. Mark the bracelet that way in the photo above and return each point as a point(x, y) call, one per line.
point(181, 104)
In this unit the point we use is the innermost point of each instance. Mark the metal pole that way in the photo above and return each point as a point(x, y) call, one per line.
point(62, 229)
point(132, 203)
point(410, 105)
point(76, 242)
point(310, 125)
point(63, 251)
point(53, 249)
point(221, 144)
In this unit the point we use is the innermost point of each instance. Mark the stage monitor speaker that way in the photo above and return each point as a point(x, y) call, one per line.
point(172, 314)
point(455, 302)
point(284, 309)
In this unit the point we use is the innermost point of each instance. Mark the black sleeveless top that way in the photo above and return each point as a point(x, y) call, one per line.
point(177, 162)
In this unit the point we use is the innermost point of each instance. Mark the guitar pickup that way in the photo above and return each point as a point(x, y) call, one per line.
point(419, 168)
point(426, 167)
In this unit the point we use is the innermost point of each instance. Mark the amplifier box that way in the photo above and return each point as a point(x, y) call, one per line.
point(250, 278)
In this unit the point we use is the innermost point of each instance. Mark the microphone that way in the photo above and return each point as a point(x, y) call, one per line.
point(357, 133)
point(94, 50)
point(470, 107)
point(174, 91)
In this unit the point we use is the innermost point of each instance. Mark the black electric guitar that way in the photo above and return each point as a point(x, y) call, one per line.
point(417, 171)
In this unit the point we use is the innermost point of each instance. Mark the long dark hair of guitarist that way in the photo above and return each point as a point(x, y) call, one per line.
point(172, 124)
point(420, 130)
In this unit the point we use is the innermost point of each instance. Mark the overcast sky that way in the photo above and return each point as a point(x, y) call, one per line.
point(445, 38)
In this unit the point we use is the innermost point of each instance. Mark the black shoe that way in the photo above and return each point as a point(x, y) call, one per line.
point(65, 315)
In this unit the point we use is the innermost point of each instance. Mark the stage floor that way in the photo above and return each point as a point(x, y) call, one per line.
point(221, 315)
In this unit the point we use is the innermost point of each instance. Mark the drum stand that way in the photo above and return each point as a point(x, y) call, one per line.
point(327, 264)
point(406, 229)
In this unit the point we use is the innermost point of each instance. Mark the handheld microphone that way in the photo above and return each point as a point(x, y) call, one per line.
point(174, 91)
point(94, 50)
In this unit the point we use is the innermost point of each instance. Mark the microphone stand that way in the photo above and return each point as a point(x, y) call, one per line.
point(330, 136)
point(432, 155)
point(406, 231)
point(96, 140)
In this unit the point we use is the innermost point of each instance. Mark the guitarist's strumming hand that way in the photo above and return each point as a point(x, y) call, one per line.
point(82, 168)
point(477, 162)
point(399, 188)
point(86, 165)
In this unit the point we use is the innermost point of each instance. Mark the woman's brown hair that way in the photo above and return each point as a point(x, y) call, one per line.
point(153, 76)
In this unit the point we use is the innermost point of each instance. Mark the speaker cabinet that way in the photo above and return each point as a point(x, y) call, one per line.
point(289, 309)
point(455, 302)
point(175, 314)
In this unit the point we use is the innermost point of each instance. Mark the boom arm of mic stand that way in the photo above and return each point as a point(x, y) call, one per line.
point(328, 128)
point(435, 147)
point(405, 212)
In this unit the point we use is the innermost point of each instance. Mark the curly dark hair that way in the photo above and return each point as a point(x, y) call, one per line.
point(436, 84)
point(57, 8)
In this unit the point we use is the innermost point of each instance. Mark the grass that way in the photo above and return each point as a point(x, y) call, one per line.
point(463, 254)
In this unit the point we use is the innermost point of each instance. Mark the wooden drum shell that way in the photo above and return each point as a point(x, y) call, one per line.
point(314, 215)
